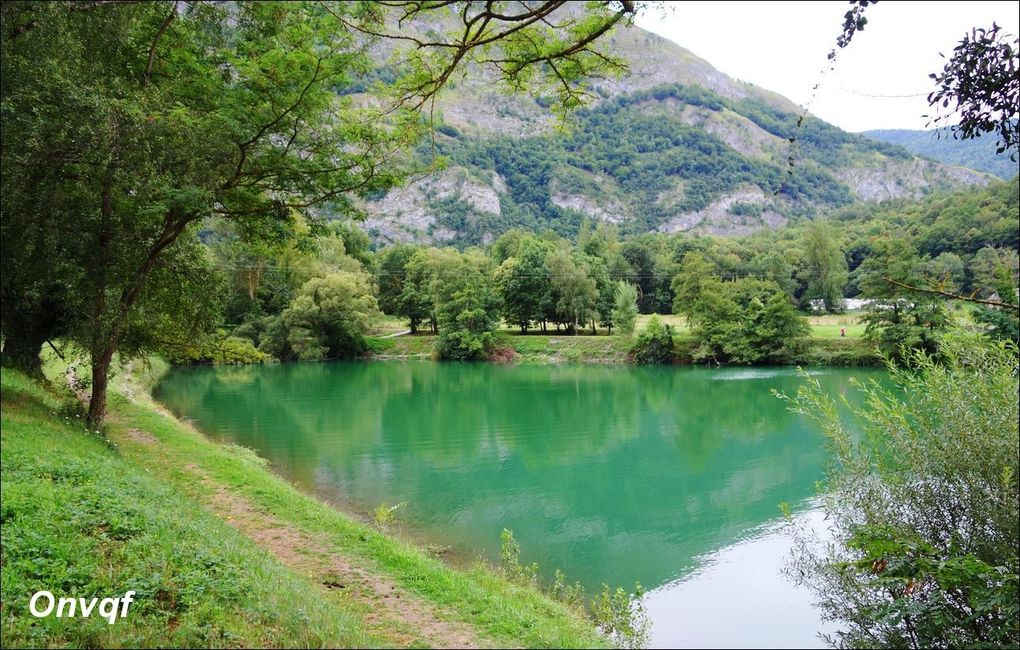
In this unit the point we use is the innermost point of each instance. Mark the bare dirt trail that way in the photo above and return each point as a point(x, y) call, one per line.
point(389, 612)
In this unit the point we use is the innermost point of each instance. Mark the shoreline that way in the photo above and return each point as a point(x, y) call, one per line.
point(338, 580)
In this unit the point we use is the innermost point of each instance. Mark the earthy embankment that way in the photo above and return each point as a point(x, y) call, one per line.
point(219, 550)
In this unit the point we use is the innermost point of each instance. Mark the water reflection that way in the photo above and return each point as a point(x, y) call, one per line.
point(611, 474)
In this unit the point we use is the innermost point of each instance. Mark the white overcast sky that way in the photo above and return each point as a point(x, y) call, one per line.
point(782, 46)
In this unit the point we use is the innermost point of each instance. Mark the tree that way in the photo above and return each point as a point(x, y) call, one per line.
point(899, 319)
point(825, 270)
point(982, 82)
point(655, 343)
point(391, 279)
point(330, 315)
point(605, 290)
point(186, 110)
point(695, 270)
point(523, 282)
point(922, 505)
point(417, 297)
point(775, 330)
point(745, 321)
point(467, 307)
point(625, 307)
point(574, 292)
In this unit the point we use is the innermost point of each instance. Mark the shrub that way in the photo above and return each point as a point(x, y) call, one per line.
point(654, 344)
point(923, 507)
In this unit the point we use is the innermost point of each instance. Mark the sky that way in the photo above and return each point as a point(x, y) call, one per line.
point(880, 81)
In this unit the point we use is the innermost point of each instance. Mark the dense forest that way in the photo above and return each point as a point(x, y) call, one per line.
point(316, 296)
point(942, 146)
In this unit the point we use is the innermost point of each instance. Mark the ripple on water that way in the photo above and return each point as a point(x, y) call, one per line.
point(763, 373)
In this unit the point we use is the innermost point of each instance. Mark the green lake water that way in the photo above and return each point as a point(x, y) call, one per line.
point(671, 477)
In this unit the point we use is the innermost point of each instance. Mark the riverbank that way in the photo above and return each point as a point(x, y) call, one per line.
point(615, 349)
point(823, 347)
point(219, 550)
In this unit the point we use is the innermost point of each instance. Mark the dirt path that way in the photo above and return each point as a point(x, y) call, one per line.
point(389, 612)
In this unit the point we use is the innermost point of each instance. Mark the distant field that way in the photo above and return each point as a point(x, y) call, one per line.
point(677, 321)
point(388, 325)
point(825, 326)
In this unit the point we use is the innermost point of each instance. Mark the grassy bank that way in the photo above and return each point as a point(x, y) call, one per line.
point(824, 346)
point(220, 551)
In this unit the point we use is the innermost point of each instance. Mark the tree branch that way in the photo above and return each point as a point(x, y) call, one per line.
point(155, 43)
point(954, 296)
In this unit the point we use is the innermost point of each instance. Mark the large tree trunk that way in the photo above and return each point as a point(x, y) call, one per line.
point(100, 377)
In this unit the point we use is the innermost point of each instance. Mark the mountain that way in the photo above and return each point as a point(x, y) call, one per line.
point(673, 146)
point(977, 154)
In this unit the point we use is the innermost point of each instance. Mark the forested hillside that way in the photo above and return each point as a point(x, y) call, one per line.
point(673, 145)
point(977, 154)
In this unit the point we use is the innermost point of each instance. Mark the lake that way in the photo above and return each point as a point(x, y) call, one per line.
point(671, 477)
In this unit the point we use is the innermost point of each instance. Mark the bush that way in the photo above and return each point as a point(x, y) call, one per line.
point(924, 507)
point(654, 344)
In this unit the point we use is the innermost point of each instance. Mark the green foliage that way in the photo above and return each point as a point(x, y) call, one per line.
point(642, 153)
point(617, 614)
point(82, 518)
point(825, 268)
point(329, 316)
point(625, 307)
point(396, 298)
point(898, 319)
point(775, 330)
point(746, 321)
point(510, 561)
point(574, 293)
point(924, 506)
point(687, 285)
point(416, 298)
point(524, 284)
point(216, 349)
point(655, 344)
point(385, 515)
point(981, 80)
point(466, 304)
point(570, 595)
point(620, 616)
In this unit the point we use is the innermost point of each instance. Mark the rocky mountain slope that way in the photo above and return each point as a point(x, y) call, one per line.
point(977, 154)
point(675, 145)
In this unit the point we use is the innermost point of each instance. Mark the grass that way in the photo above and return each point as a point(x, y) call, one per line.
point(388, 325)
point(81, 520)
point(828, 326)
point(142, 509)
point(558, 348)
point(826, 347)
